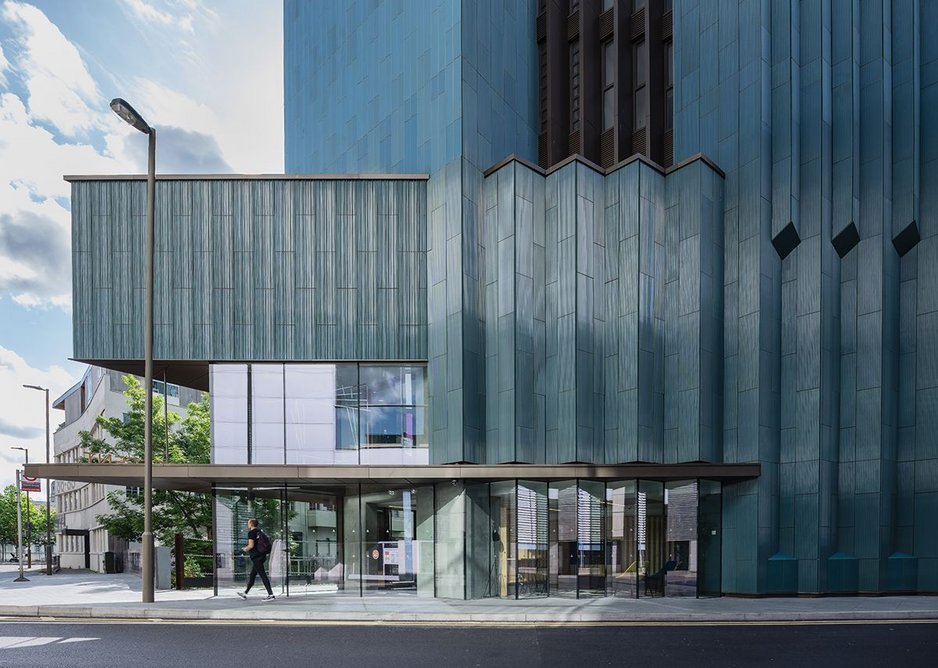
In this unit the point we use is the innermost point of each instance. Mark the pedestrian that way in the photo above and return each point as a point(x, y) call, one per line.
point(257, 548)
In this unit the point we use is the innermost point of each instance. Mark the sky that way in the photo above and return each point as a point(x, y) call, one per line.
point(207, 74)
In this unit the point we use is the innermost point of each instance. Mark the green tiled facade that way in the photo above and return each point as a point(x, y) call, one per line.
point(253, 269)
point(770, 299)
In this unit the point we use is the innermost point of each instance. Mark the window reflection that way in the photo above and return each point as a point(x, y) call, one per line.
point(267, 413)
point(381, 385)
point(380, 406)
point(380, 427)
point(347, 388)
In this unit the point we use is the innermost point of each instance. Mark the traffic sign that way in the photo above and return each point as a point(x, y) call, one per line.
point(29, 484)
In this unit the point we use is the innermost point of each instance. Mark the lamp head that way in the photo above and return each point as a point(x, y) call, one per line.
point(129, 115)
point(35, 387)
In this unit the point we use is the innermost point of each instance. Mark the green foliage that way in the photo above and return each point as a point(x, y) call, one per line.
point(189, 439)
point(32, 512)
point(188, 513)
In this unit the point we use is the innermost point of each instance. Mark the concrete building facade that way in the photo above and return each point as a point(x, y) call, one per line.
point(81, 540)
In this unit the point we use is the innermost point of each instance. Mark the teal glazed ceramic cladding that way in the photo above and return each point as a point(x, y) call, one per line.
point(261, 269)
point(408, 85)
point(770, 299)
point(814, 111)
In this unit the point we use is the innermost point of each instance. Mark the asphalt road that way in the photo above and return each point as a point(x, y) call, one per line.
point(386, 646)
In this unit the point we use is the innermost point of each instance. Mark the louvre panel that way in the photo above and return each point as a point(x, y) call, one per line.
point(573, 25)
point(607, 148)
point(668, 157)
point(639, 142)
point(638, 23)
point(573, 143)
point(541, 27)
point(532, 516)
point(590, 518)
point(667, 25)
point(606, 23)
point(543, 158)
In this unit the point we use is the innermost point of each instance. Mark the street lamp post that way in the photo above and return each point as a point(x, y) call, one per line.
point(19, 528)
point(48, 485)
point(29, 524)
point(130, 116)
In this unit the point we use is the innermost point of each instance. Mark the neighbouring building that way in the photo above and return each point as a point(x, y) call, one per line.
point(81, 541)
point(559, 298)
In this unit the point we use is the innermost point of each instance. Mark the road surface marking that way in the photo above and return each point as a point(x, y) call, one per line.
point(16, 642)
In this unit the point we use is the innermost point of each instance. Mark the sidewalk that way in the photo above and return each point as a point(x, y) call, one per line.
point(87, 595)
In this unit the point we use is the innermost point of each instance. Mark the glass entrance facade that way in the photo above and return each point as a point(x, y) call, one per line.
point(583, 538)
point(352, 539)
point(522, 538)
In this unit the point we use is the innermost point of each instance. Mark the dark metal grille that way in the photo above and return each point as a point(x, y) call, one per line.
point(607, 148)
point(667, 25)
point(639, 142)
point(638, 23)
point(573, 25)
point(606, 24)
point(573, 143)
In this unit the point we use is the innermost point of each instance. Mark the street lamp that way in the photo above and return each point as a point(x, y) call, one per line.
point(29, 524)
point(129, 115)
point(19, 514)
point(48, 485)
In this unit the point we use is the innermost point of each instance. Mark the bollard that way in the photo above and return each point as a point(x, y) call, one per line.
point(180, 562)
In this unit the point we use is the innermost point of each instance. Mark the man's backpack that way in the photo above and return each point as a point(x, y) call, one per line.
point(262, 543)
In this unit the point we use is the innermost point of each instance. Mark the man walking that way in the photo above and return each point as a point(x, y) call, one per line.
point(257, 548)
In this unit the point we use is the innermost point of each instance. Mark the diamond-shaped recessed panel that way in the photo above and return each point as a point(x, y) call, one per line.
point(906, 239)
point(786, 241)
point(846, 239)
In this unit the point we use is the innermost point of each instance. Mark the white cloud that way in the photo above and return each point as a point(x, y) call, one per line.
point(164, 106)
point(34, 225)
point(246, 61)
point(59, 86)
point(226, 114)
point(4, 65)
point(22, 412)
point(151, 14)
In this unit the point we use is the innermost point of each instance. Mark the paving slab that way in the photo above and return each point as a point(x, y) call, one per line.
point(86, 595)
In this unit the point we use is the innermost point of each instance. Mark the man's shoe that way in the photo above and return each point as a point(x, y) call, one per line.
point(242, 594)
point(270, 597)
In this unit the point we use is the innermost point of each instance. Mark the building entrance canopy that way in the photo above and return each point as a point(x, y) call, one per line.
point(203, 477)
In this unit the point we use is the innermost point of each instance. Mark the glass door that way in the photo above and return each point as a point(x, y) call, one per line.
point(315, 529)
point(622, 570)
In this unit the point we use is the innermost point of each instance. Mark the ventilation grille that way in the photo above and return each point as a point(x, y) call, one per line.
point(668, 158)
point(639, 142)
point(541, 27)
point(667, 25)
point(607, 148)
point(573, 143)
point(606, 23)
point(638, 23)
point(573, 25)
point(543, 159)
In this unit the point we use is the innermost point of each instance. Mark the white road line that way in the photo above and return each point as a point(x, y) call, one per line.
point(17, 642)
point(10, 642)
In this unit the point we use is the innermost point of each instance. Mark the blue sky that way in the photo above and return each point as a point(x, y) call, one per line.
point(208, 75)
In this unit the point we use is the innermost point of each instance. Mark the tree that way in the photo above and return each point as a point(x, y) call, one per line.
point(188, 513)
point(32, 512)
